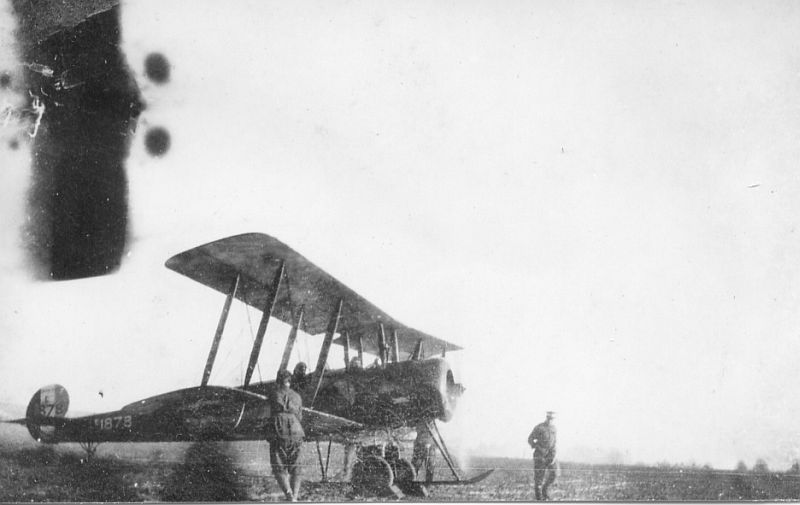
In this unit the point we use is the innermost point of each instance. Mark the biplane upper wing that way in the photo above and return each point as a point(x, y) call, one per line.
point(256, 258)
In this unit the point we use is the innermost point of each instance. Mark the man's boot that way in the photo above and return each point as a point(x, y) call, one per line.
point(295, 481)
point(538, 492)
point(283, 483)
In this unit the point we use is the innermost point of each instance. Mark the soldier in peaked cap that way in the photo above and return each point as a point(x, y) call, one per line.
point(543, 442)
point(285, 435)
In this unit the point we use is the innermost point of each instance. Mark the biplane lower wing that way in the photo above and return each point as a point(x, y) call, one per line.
point(319, 425)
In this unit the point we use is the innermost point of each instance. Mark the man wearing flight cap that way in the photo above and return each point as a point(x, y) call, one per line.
point(543, 442)
point(285, 435)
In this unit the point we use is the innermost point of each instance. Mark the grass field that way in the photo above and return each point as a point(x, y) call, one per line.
point(513, 481)
point(240, 472)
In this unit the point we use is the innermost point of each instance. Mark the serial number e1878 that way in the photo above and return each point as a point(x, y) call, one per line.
point(113, 423)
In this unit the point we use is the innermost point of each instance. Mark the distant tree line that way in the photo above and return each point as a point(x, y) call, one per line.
point(761, 467)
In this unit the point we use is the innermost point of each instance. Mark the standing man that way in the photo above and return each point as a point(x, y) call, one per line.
point(424, 452)
point(543, 442)
point(299, 377)
point(285, 435)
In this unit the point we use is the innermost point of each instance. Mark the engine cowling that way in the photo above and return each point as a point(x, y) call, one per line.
point(440, 379)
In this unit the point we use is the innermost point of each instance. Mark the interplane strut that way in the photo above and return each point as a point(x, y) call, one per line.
point(333, 326)
point(212, 354)
point(269, 306)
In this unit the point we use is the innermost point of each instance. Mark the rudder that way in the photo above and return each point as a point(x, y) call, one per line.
point(49, 401)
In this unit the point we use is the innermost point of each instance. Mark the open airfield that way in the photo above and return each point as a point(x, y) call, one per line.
point(240, 472)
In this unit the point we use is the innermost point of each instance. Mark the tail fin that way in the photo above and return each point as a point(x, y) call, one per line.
point(49, 402)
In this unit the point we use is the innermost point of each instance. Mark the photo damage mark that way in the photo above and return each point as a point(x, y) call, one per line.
point(86, 105)
point(23, 117)
point(156, 68)
point(157, 141)
point(207, 473)
point(39, 69)
point(38, 108)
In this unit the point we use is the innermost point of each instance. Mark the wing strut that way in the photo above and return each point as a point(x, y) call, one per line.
point(382, 343)
point(419, 351)
point(395, 346)
point(262, 327)
point(212, 354)
point(333, 325)
point(287, 351)
point(346, 349)
point(360, 350)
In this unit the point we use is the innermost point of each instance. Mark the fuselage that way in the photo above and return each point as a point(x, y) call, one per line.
point(394, 396)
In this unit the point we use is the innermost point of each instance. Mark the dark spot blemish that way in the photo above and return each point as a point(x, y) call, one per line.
point(156, 68)
point(5, 80)
point(157, 141)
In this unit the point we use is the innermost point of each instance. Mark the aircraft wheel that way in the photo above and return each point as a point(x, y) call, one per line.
point(372, 475)
point(403, 471)
point(404, 475)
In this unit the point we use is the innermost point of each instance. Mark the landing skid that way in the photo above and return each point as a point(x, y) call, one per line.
point(433, 431)
point(463, 482)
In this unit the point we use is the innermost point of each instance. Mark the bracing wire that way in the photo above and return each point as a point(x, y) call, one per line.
point(252, 338)
point(222, 361)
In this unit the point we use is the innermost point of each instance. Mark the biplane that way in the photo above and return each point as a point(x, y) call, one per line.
point(409, 388)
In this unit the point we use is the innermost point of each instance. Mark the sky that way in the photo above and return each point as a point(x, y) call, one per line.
point(597, 200)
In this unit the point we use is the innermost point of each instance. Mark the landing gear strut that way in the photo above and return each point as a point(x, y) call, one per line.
point(436, 437)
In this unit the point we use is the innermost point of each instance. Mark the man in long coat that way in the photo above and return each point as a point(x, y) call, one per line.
point(543, 441)
point(285, 435)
